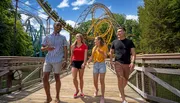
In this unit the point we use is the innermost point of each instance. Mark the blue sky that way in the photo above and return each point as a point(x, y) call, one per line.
point(70, 10)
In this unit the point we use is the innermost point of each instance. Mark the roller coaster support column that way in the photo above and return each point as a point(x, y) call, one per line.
point(48, 25)
point(70, 43)
point(15, 31)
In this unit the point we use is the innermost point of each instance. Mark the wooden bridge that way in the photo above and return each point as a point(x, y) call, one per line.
point(155, 78)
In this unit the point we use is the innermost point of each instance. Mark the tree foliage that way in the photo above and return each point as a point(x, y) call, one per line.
point(23, 45)
point(160, 25)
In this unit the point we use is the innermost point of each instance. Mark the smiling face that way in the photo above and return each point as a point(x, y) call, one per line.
point(78, 38)
point(120, 33)
point(57, 27)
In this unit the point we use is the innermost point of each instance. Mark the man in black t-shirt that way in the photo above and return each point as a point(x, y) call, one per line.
point(125, 56)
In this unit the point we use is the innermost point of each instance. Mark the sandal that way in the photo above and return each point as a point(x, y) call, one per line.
point(48, 101)
point(57, 101)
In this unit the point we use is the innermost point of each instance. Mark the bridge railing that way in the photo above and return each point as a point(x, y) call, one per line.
point(156, 77)
point(21, 72)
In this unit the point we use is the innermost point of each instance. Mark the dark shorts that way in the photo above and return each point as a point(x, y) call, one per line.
point(77, 64)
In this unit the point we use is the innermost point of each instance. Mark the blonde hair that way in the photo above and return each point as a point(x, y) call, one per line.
point(82, 39)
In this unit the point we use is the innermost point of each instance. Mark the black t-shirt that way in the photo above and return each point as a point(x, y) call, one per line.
point(122, 49)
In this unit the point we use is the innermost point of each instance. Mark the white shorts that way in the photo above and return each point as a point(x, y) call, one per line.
point(54, 67)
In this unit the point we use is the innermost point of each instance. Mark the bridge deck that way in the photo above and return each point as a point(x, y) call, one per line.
point(37, 95)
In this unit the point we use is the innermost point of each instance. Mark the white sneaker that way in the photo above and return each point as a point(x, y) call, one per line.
point(124, 101)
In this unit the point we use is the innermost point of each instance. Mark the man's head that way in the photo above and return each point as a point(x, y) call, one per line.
point(121, 32)
point(57, 27)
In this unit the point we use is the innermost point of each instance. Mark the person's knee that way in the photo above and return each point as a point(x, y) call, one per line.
point(102, 81)
point(57, 77)
point(74, 78)
point(80, 79)
point(45, 76)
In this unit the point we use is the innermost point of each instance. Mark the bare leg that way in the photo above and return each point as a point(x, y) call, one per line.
point(81, 74)
point(58, 85)
point(47, 85)
point(102, 78)
point(121, 85)
point(74, 75)
point(95, 76)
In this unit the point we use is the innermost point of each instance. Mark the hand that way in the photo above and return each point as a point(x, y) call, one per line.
point(64, 65)
point(83, 65)
point(87, 64)
point(99, 50)
point(50, 48)
point(95, 48)
point(112, 64)
point(131, 66)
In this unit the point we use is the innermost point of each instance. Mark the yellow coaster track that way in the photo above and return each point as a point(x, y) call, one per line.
point(96, 23)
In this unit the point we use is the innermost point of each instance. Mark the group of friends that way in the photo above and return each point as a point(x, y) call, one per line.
point(56, 59)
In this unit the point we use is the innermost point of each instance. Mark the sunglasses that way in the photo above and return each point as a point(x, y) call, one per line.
point(59, 25)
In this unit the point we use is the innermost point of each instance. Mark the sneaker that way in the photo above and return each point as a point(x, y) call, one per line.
point(102, 100)
point(75, 94)
point(95, 93)
point(82, 94)
point(124, 101)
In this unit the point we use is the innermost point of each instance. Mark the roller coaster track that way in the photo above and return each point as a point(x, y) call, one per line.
point(36, 35)
point(107, 17)
point(54, 15)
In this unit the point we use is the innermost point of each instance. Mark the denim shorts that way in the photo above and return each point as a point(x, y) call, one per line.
point(99, 67)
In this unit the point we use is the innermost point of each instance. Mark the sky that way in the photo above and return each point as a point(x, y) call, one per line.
point(70, 10)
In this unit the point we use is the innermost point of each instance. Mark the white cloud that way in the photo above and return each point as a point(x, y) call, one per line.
point(42, 14)
point(141, 2)
point(133, 17)
point(82, 2)
point(24, 17)
point(63, 4)
point(75, 8)
point(66, 34)
point(91, 2)
point(72, 23)
point(27, 3)
point(109, 7)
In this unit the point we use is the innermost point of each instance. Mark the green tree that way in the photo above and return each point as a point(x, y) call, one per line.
point(160, 25)
point(23, 46)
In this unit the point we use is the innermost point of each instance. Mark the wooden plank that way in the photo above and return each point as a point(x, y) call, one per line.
point(152, 87)
point(160, 61)
point(67, 91)
point(164, 84)
point(150, 97)
point(134, 72)
point(137, 80)
point(0, 83)
point(30, 75)
point(4, 72)
point(158, 70)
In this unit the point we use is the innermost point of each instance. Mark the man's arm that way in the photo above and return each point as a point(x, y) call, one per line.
point(133, 55)
point(133, 58)
point(65, 54)
point(111, 55)
point(46, 48)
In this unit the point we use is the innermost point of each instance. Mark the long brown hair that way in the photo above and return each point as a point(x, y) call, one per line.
point(82, 39)
point(101, 40)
